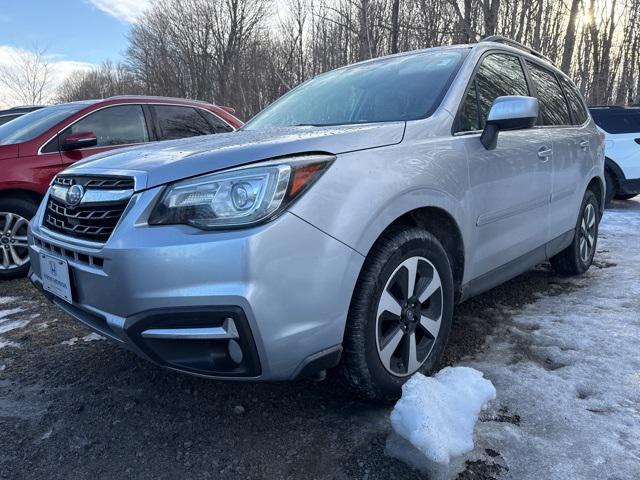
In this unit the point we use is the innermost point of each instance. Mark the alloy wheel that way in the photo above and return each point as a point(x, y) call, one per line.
point(409, 316)
point(587, 233)
point(14, 251)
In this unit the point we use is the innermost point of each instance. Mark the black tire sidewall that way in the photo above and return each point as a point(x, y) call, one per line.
point(611, 188)
point(27, 209)
point(414, 242)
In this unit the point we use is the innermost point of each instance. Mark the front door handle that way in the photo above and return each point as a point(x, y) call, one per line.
point(584, 144)
point(545, 153)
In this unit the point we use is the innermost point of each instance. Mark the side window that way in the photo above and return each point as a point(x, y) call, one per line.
point(7, 118)
point(469, 120)
point(117, 125)
point(180, 122)
point(218, 124)
point(576, 104)
point(499, 75)
point(553, 106)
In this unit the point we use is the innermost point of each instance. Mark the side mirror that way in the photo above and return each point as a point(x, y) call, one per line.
point(509, 113)
point(79, 140)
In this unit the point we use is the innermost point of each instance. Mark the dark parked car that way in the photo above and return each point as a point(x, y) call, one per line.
point(38, 145)
point(15, 112)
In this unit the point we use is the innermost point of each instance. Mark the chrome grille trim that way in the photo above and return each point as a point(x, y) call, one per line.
point(97, 214)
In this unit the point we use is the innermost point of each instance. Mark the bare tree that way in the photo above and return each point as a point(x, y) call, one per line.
point(27, 79)
point(106, 81)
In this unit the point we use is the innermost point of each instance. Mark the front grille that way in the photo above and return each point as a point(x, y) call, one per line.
point(97, 183)
point(93, 222)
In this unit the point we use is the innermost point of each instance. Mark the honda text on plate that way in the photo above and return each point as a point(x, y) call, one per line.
point(338, 227)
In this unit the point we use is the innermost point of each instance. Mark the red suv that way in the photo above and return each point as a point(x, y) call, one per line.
point(38, 145)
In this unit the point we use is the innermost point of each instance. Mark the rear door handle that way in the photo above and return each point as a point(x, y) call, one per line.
point(584, 144)
point(545, 152)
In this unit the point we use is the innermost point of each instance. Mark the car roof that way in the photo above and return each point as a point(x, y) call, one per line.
point(20, 109)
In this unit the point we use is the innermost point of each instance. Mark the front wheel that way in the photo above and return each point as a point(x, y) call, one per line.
point(15, 214)
point(577, 257)
point(400, 314)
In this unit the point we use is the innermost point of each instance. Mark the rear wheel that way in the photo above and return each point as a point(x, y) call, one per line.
point(400, 315)
point(577, 257)
point(612, 186)
point(15, 214)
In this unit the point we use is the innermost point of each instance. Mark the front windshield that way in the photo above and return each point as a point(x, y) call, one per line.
point(30, 125)
point(399, 88)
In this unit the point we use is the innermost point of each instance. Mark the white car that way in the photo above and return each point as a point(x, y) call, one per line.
point(621, 127)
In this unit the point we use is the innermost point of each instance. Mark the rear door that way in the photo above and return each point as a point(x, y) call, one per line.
point(570, 161)
point(510, 185)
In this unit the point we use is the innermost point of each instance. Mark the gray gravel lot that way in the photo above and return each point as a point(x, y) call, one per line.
point(85, 408)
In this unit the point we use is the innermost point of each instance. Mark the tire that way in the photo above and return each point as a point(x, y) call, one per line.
point(14, 212)
point(573, 260)
point(612, 186)
point(370, 336)
point(625, 196)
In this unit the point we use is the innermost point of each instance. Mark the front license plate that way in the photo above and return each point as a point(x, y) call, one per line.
point(55, 276)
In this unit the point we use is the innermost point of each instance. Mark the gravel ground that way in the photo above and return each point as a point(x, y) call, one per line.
point(73, 406)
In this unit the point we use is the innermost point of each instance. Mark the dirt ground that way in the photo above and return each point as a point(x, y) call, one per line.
point(74, 407)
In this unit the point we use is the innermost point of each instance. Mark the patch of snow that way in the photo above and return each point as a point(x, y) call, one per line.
point(438, 414)
point(7, 343)
point(12, 325)
point(11, 311)
point(568, 366)
point(72, 341)
point(92, 337)
point(5, 300)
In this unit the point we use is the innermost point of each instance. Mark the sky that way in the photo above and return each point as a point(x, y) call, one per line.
point(76, 34)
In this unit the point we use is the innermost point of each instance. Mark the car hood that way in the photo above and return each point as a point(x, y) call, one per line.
point(162, 162)
point(8, 151)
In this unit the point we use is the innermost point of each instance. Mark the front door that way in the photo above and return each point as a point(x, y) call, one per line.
point(510, 186)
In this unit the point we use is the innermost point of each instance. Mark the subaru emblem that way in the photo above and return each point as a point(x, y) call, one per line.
point(74, 195)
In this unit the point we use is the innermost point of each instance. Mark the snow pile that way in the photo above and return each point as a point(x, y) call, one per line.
point(438, 414)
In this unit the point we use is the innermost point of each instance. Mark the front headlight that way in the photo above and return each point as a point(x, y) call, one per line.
point(239, 197)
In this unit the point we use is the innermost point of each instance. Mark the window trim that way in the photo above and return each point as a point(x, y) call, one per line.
point(564, 95)
point(142, 105)
point(472, 80)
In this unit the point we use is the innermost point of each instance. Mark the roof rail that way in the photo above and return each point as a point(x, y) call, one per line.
point(615, 107)
point(513, 43)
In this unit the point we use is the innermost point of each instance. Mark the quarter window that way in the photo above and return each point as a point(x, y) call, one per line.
point(553, 107)
point(180, 122)
point(118, 125)
point(499, 75)
point(576, 104)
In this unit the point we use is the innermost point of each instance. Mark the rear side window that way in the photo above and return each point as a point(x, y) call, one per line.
point(117, 125)
point(576, 104)
point(7, 118)
point(499, 75)
point(624, 121)
point(219, 126)
point(553, 107)
point(180, 122)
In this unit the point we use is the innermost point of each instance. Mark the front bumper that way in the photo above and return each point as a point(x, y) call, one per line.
point(285, 285)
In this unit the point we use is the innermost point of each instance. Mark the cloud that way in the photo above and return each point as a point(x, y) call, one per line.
point(124, 10)
point(60, 68)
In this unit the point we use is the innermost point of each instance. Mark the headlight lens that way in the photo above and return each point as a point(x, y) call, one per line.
point(239, 197)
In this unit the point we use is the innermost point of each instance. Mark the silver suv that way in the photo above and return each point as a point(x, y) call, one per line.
point(339, 227)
